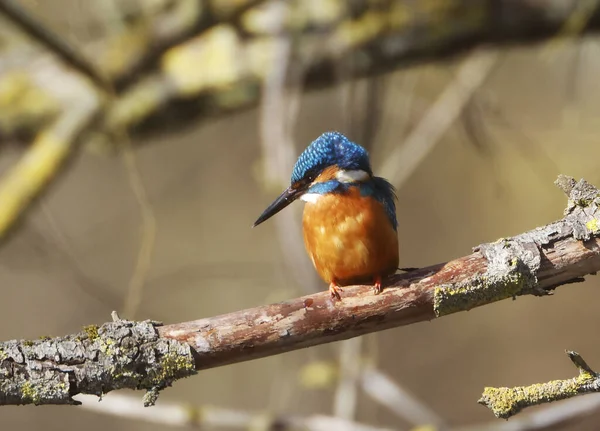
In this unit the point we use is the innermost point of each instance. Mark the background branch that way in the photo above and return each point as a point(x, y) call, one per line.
point(184, 415)
point(154, 71)
point(54, 43)
point(187, 62)
point(213, 417)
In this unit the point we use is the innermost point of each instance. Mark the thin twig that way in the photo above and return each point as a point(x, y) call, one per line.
point(281, 93)
point(402, 162)
point(346, 393)
point(148, 232)
point(574, 24)
point(277, 121)
point(398, 400)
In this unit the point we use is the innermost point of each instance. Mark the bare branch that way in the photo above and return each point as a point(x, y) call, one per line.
point(143, 355)
point(345, 398)
point(42, 34)
point(405, 159)
point(212, 417)
point(507, 402)
point(382, 389)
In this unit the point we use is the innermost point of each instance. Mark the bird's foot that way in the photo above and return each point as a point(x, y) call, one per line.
point(377, 289)
point(335, 291)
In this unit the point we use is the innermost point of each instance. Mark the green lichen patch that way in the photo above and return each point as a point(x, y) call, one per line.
point(507, 402)
point(175, 364)
point(480, 290)
point(36, 388)
point(512, 265)
point(593, 226)
point(172, 366)
point(131, 355)
point(98, 360)
point(30, 394)
point(91, 331)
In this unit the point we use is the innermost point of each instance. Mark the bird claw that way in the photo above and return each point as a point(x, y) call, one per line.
point(335, 291)
point(377, 289)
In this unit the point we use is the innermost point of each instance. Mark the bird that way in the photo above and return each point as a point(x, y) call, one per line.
point(349, 221)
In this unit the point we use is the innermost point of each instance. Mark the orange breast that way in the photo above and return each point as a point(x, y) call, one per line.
point(349, 238)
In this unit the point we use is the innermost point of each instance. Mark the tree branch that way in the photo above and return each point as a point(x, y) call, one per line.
point(190, 60)
point(42, 34)
point(98, 360)
point(142, 355)
point(209, 61)
point(507, 402)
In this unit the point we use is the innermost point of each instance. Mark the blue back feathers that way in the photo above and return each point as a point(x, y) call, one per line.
point(380, 189)
point(331, 148)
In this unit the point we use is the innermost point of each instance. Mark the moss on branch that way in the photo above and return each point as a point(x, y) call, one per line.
point(506, 402)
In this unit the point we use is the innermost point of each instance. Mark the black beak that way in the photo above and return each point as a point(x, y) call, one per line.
point(287, 197)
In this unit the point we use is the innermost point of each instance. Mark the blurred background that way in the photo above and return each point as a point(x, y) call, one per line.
point(141, 198)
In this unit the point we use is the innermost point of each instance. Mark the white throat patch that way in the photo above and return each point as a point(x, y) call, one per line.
point(352, 176)
point(310, 197)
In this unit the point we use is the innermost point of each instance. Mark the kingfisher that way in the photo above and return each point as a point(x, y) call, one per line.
point(349, 220)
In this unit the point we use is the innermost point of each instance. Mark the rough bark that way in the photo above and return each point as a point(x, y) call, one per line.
point(98, 360)
point(146, 356)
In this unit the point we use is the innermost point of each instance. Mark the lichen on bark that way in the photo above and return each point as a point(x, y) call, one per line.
point(511, 271)
point(513, 263)
point(116, 355)
point(507, 402)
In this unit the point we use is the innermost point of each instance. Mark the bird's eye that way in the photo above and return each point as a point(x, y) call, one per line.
point(310, 176)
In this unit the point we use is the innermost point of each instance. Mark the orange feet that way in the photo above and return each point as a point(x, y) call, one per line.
point(335, 291)
point(377, 289)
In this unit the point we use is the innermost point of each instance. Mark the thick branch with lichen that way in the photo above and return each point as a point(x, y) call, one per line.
point(98, 360)
point(507, 402)
point(127, 355)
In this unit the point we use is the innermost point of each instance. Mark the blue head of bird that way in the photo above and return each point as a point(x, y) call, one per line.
point(346, 163)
